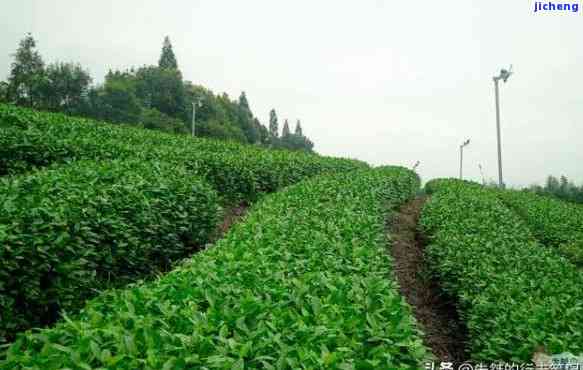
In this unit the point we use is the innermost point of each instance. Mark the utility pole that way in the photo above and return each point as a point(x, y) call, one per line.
point(482, 173)
point(504, 74)
point(194, 105)
point(465, 143)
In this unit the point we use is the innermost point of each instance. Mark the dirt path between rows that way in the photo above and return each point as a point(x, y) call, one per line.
point(445, 335)
point(231, 216)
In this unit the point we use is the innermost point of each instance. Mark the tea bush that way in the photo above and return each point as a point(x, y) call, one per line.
point(70, 231)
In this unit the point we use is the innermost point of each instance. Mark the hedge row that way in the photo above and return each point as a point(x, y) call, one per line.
point(303, 282)
point(30, 139)
point(555, 223)
point(68, 231)
point(514, 294)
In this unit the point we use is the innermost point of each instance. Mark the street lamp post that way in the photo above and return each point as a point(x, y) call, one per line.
point(195, 103)
point(465, 143)
point(504, 74)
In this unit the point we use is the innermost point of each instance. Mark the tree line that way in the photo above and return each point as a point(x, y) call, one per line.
point(561, 188)
point(152, 96)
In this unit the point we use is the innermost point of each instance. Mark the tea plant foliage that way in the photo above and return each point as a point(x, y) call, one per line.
point(30, 139)
point(514, 294)
point(67, 233)
point(303, 282)
point(554, 222)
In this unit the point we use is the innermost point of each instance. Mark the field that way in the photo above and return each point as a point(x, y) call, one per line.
point(555, 223)
point(112, 256)
point(507, 284)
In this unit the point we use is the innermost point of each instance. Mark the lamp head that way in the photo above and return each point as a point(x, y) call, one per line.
point(505, 73)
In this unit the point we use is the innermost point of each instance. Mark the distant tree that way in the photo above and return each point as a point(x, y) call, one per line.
point(295, 142)
point(560, 188)
point(263, 132)
point(305, 144)
point(3, 92)
point(167, 57)
point(563, 185)
point(216, 130)
point(298, 130)
point(64, 87)
point(26, 74)
point(285, 132)
point(210, 108)
point(273, 125)
point(155, 120)
point(116, 102)
point(161, 89)
point(154, 97)
point(221, 117)
point(243, 103)
point(240, 116)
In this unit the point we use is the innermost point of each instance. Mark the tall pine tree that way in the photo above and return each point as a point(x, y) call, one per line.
point(273, 125)
point(285, 131)
point(167, 58)
point(298, 130)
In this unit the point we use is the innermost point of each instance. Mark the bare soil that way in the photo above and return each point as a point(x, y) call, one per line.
point(445, 334)
point(232, 216)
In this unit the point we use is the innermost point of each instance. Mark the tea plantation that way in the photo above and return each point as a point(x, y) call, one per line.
point(31, 139)
point(87, 205)
point(303, 281)
point(109, 257)
point(555, 223)
point(514, 293)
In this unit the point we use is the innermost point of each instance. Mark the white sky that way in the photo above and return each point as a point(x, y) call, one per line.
point(388, 82)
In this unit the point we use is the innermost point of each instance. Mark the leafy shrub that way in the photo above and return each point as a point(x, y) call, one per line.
point(66, 232)
point(238, 172)
point(514, 294)
point(303, 282)
point(22, 151)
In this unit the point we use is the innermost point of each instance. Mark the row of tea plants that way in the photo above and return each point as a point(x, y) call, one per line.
point(554, 222)
point(30, 139)
point(515, 295)
point(67, 233)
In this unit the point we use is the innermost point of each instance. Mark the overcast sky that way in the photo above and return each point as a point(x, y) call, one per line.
point(388, 82)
